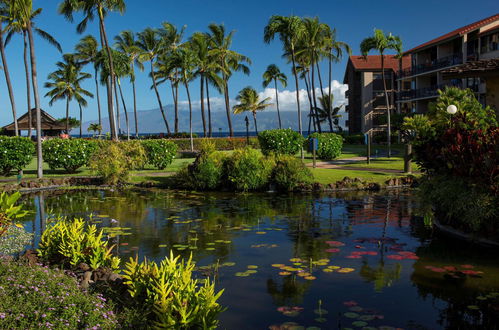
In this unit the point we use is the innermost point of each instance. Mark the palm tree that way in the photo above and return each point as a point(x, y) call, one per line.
point(91, 9)
point(20, 26)
point(6, 72)
point(151, 45)
point(94, 128)
point(187, 64)
point(172, 37)
point(334, 52)
point(65, 83)
point(290, 30)
point(274, 74)
point(87, 52)
point(250, 101)
point(229, 61)
point(382, 42)
point(326, 112)
point(21, 13)
point(127, 44)
point(206, 67)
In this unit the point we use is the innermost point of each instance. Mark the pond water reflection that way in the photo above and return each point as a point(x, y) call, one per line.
point(325, 261)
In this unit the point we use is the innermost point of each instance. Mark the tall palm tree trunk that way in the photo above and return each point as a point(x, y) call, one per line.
point(110, 81)
point(277, 103)
point(81, 119)
point(175, 101)
point(117, 105)
point(389, 131)
point(254, 120)
point(28, 81)
point(135, 110)
point(34, 80)
point(67, 115)
point(98, 98)
point(210, 131)
point(314, 97)
point(297, 92)
point(124, 109)
point(153, 76)
point(190, 116)
point(227, 106)
point(203, 117)
point(311, 116)
point(7, 80)
point(330, 69)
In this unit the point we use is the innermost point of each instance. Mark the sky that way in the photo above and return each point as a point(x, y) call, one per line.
point(414, 21)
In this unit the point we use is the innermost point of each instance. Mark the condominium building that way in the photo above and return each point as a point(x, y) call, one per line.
point(419, 84)
point(367, 107)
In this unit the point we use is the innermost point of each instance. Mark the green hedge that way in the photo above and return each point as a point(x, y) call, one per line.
point(15, 153)
point(247, 169)
point(69, 154)
point(330, 145)
point(280, 141)
point(220, 143)
point(353, 138)
point(289, 172)
point(160, 153)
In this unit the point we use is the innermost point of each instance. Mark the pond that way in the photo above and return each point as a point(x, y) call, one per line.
point(356, 260)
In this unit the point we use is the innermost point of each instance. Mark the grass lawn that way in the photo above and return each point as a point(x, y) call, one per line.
point(326, 176)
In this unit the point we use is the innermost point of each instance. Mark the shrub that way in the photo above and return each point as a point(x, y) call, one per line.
point(69, 242)
point(9, 211)
point(247, 169)
point(288, 172)
point(330, 145)
point(15, 153)
point(169, 295)
point(37, 297)
point(220, 143)
point(381, 137)
point(111, 163)
point(206, 172)
point(135, 154)
point(160, 153)
point(280, 141)
point(354, 138)
point(69, 154)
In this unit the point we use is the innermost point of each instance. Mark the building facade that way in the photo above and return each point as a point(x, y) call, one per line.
point(367, 107)
point(419, 84)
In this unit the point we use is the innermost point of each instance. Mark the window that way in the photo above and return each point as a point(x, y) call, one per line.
point(490, 42)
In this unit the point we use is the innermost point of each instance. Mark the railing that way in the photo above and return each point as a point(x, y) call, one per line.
point(440, 63)
point(424, 92)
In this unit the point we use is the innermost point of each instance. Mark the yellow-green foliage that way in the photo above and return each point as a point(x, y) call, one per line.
point(172, 297)
point(9, 211)
point(111, 163)
point(135, 154)
point(73, 242)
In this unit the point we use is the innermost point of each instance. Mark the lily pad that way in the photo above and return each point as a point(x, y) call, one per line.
point(359, 324)
point(351, 315)
point(321, 320)
point(356, 309)
point(473, 307)
point(321, 311)
point(252, 267)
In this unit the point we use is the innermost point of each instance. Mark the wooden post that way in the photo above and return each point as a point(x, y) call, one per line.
point(408, 158)
point(368, 146)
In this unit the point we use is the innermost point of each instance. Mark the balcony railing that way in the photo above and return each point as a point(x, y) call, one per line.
point(440, 63)
point(424, 92)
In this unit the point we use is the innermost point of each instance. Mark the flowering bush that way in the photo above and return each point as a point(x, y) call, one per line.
point(247, 169)
point(39, 297)
point(15, 153)
point(330, 145)
point(226, 143)
point(70, 154)
point(280, 141)
point(160, 153)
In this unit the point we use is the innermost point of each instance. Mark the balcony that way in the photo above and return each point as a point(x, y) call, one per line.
point(426, 92)
point(437, 64)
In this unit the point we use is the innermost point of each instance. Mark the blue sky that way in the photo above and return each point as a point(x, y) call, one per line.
point(414, 21)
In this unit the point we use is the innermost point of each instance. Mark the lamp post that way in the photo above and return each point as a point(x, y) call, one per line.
point(451, 110)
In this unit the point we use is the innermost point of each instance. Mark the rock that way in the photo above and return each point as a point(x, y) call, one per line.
point(31, 256)
point(83, 267)
point(87, 279)
point(114, 277)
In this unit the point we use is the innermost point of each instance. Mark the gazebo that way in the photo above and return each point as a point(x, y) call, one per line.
point(487, 69)
point(50, 126)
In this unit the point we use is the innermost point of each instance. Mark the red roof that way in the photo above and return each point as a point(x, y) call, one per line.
point(458, 32)
point(373, 62)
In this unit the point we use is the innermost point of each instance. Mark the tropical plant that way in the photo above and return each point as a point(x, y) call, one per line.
point(169, 295)
point(9, 211)
point(160, 153)
point(290, 30)
point(126, 43)
point(229, 61)
point(16, 153)
point(326, 112)
point(6, 72)
point(71, 242)
point(274, 74)
point(250, 101)
point(247, 169)
point(94, 128)
point(289, 172)
point(91, 9)
point(151, 44)
point(330, 145)
point(110, 163)
point(382, 42)
point(65, 83)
